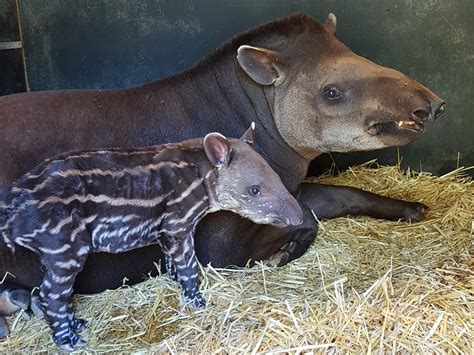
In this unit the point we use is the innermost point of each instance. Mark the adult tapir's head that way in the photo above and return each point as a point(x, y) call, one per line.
point(326, 98)
point(246, 184)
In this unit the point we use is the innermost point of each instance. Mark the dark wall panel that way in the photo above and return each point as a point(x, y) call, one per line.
point(118, 43)
point(8, 24)
point(12, 78)
point(11, 70)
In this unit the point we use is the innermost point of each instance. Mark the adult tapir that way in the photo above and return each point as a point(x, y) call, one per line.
point(308, 93)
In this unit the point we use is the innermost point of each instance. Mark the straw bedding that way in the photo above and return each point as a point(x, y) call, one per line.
point(364, 286)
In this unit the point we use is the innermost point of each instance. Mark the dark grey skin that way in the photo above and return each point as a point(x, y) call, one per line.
point(293, 77)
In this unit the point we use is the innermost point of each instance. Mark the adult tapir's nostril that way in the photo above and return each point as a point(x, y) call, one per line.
point(438, 108)
point(429, 113)
point(421, 114)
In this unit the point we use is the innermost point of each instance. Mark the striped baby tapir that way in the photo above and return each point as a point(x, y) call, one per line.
point(116, 200)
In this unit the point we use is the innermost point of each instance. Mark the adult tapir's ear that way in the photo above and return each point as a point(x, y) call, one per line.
point(262, 65)
point(217, 149)
point(330, 24)
point(249, 134)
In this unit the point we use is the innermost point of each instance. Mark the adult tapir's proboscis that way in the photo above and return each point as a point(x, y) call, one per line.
point(308, 92)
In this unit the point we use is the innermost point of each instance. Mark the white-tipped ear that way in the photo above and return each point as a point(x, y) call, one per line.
point(330, 24)
point(262, 65)
point(217, 149)
point(249, 134)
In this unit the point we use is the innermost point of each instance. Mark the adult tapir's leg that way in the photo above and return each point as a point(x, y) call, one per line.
point(335, 201)
point(19, 273)
point(12, 299)
point(224, 239)
point(4, 330)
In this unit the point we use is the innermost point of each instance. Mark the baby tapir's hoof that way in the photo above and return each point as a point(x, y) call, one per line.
point(69, 341)
point(197, 302)
point(415, 211)
point(77, 324)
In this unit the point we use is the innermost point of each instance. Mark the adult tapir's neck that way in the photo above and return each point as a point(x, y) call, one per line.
point(216, 95)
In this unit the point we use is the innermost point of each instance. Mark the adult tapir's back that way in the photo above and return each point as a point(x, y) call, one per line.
point(279, 75)
point(308, 92)
point(38, 125)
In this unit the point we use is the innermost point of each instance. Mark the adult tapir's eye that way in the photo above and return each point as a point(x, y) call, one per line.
point(255, 190)
point(332, 93)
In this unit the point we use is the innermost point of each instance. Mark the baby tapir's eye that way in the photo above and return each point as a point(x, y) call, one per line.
point(255, 190)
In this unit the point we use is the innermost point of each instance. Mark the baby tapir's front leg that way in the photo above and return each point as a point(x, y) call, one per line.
point(181, 262)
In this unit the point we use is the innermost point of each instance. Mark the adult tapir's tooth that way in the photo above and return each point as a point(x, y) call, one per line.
point(405, 123)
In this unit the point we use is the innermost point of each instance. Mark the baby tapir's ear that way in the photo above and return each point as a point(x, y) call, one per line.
point(249, 134)
point(217, 149)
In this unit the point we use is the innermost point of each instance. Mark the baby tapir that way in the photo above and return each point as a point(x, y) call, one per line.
point(120, 199)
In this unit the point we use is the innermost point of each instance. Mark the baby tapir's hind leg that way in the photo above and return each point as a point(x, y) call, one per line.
point(171, 268)
point(55, 293)
point(182, 267)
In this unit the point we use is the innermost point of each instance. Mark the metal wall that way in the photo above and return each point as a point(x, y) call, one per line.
point(119, 43)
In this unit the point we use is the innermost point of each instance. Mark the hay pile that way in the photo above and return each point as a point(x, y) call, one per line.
point(365, 286)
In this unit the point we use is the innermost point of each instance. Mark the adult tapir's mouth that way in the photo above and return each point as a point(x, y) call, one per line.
point(411, 125)
point(392, 126)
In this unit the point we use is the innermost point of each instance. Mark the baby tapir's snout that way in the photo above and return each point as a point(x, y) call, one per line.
point(277, 203)
point(282, 207)
point(291, 209)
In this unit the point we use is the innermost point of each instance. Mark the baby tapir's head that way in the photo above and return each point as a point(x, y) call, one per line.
point(246, 184)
